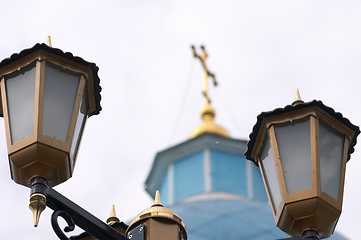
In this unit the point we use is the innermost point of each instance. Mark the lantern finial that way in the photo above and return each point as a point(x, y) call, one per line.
point(37, 206)
point(49, 41)
point(113, 216)
point(157, 199)
point(298, 99)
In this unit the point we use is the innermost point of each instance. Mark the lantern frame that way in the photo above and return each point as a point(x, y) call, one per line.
point(310, 209)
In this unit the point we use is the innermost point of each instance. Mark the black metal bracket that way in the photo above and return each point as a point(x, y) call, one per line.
point(308, 235)
point(72, 214)
point(137, 233)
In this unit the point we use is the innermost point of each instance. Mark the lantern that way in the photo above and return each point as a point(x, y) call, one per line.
point(302, 151)
point(46, 97)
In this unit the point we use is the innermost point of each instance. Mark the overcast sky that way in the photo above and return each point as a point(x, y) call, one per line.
point(260, 51)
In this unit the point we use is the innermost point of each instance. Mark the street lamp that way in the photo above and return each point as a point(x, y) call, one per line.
point(47, 96)
point(302, 151)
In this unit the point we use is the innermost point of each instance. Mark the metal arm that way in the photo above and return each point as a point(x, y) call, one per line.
point(72, 214)
point(308, 235)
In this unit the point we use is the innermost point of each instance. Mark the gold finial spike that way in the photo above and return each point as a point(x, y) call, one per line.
point(298, 99)
point(112, 212)
point(157, 199)
point(49, 41)
point(37, 205)
point(113, 216)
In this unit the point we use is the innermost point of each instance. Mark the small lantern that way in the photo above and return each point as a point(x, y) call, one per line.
point(157, 223)
point(46, 97)
point(302, 151)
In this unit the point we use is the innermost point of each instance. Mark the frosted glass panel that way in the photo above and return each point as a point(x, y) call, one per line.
point(294, 147)
point(80, 121)
point(331, 152)
point(20, 88)
point(270, 173)
point(59, 96)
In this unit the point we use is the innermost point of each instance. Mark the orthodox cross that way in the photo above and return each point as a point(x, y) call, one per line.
point(207, 74)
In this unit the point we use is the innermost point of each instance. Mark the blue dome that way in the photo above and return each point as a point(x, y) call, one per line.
point(218, 193)
point(228, 219)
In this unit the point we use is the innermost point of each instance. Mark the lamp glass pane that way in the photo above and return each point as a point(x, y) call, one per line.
point(294, 145)
point(80, 122)
point(331, 145)
point(270, 173)
point(20, 92)
point(60, 90)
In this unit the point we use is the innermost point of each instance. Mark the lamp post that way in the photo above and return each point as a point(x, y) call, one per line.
point(302, 151)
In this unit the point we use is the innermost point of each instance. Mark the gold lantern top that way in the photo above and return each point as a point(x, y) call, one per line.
point(255, 135)
point(158, 212)
point(42, 51)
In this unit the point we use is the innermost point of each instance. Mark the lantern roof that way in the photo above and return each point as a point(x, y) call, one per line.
point(295, 107)
point(157, 210)
point(68, 56)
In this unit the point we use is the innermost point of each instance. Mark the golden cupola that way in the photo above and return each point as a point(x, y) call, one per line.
point(208, 124)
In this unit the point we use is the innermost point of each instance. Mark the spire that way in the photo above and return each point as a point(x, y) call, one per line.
point(208, 113)
point(37, 205)
point(49, 41)
point(298, 99)
point(113, 216)
point(157, 199)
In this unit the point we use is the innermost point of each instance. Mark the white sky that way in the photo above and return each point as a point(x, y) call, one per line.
point(260, 50)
